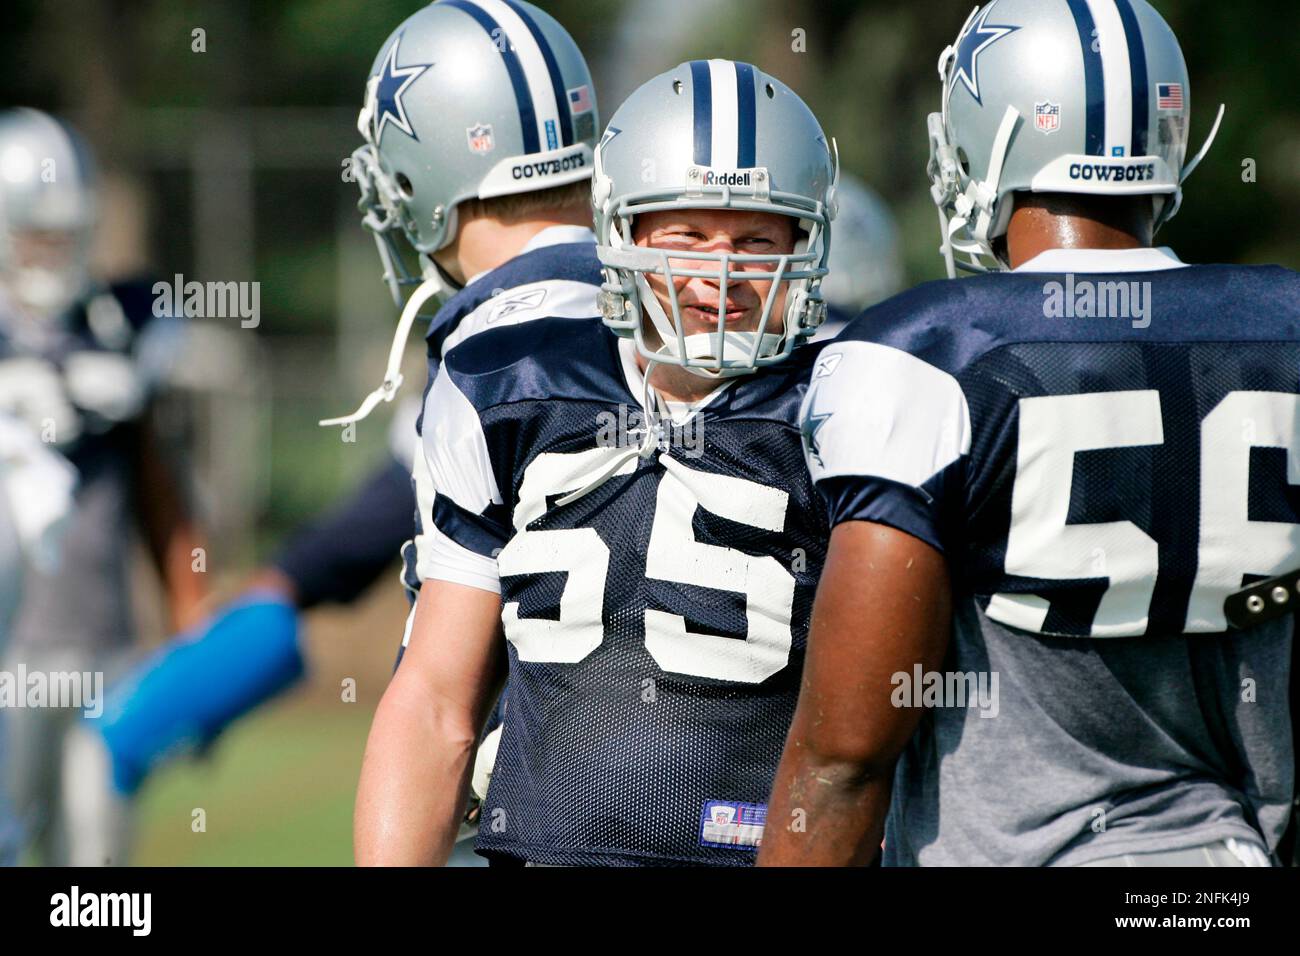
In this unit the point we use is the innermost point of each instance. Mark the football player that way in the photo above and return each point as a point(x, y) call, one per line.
point(1045, 482)
point(478, 124)
point(621, 529)
point(81, 362)
point(36, 486)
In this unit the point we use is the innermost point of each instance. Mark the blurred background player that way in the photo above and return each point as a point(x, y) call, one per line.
point(441, 186)
point(80, 363)
point(866, 263)
point(36, 487)
point(1101, 475)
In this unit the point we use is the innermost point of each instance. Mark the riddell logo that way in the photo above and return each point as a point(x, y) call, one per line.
point(739, 177)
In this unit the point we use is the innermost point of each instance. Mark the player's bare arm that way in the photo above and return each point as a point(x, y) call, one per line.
point(832, 787)
point(416, 770)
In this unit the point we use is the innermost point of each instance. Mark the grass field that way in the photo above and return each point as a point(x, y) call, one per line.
point(277, 791)
point(278, 788)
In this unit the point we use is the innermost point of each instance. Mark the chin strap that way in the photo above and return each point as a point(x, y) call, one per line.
point(387, 391)
point(675, 350)
point(738, 347)
point(1196, 160)
point(649, 444)
point(975, 207)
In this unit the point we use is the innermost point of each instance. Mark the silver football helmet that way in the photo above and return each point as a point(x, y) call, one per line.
point(713, 134)
point(467, 99)
point(866, 264)
point(1056, 96)
point(47, 212)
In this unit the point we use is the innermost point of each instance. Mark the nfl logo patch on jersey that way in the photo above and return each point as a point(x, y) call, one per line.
point(480, 138)
point(1047, 117)
point(729, 823)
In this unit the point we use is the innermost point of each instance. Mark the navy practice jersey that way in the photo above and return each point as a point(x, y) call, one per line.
point(556, 275)
point(338, 556)
point(655, 625)
point(1099, 485)
point(83, 384)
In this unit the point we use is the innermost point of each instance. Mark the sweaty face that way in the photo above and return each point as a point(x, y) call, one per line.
point(718, 231)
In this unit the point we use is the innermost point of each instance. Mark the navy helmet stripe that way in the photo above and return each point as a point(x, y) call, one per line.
point(1137, 59)
point(748, 116)
point(553, 68)
point(523, 98)
point(1094, 78)
point(702, 85)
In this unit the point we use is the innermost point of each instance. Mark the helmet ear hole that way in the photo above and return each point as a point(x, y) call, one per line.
point(770, 90)
point(964, 160)
point(404, 184)
point(677, 87)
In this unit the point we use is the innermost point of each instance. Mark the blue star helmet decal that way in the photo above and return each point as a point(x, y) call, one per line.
point(975, 41)
point(394, 81)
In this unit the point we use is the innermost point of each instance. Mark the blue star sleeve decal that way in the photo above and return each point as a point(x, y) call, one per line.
point(394, 81)
point(813, 420)
point(812, 424)
point(975, 41)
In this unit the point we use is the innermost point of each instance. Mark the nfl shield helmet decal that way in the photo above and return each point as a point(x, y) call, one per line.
point(1047, 117)
point(480, 138)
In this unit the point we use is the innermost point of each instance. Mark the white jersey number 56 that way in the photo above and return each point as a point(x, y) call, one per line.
point(1042, 545)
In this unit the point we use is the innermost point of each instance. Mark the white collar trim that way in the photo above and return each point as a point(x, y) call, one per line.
point(1061, 261)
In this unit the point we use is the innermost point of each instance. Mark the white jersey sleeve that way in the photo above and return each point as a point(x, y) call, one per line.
point(885, 436)
point(455, 491)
